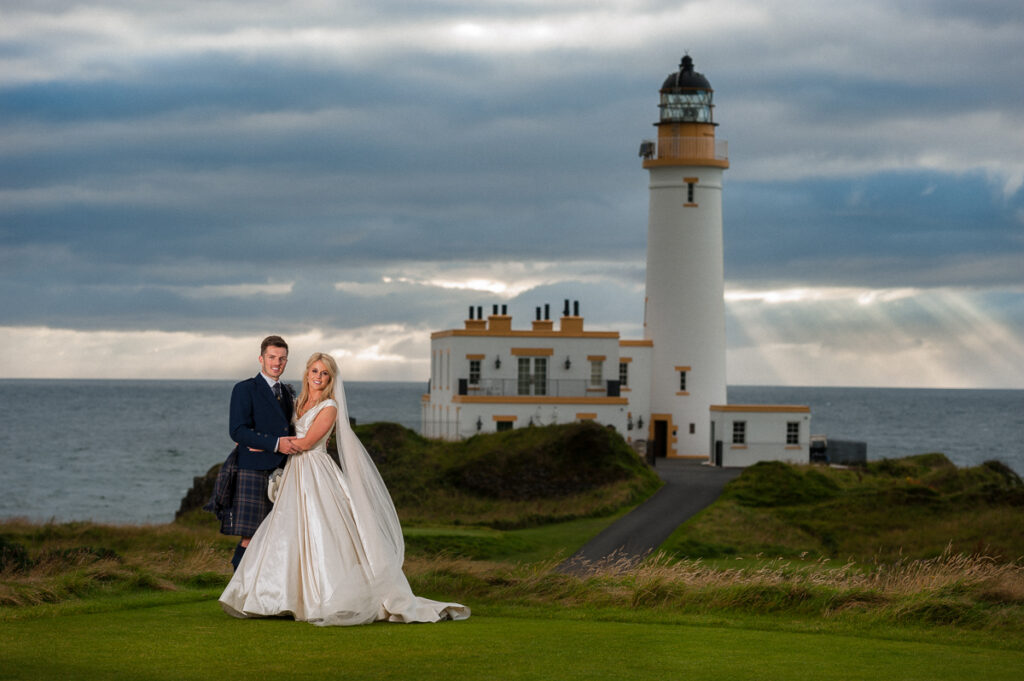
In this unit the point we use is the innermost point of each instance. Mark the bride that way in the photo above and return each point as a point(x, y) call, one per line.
point(331, 550)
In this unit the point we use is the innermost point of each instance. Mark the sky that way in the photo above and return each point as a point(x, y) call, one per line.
point(178, 180)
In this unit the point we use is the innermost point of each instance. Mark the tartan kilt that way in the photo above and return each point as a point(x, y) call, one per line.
point(251, 503)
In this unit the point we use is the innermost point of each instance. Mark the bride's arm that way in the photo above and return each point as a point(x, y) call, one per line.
point(321, 426)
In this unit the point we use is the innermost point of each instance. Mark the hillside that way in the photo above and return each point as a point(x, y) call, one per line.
point(915, 507)
point(521, 478)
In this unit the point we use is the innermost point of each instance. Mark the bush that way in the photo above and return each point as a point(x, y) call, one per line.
point(548, 461)
point(13, 556)
point(773, 483)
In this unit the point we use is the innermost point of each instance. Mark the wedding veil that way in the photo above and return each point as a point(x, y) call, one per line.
point(372, 507)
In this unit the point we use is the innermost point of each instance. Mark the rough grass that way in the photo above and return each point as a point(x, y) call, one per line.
point(891, 509)
point(68, 561)
point(969, 591)
point(919, 543)
point(521, 478)
point(972, 592)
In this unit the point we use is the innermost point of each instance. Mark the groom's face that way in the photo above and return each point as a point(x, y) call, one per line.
point(273, 361)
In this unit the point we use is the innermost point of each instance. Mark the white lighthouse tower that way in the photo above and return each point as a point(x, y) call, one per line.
point(684, 310)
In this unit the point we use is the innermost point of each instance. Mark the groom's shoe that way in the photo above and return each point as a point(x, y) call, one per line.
point(237, 558)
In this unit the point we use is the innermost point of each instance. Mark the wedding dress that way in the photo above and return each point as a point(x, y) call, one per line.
point(331, 550)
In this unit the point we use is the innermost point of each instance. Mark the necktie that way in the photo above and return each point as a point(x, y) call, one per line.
point(277, 391)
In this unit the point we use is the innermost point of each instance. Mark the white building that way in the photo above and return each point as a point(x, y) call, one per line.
point(747, 433)
point(488, 376)
point(669, 388)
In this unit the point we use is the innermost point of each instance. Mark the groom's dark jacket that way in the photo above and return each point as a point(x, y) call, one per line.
point(257, 421)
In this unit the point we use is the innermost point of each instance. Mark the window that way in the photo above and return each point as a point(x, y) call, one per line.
point(532, 377)
point(523, 377)
point(793, 433)
point(501, 426)
point(474, 372)
point(691, 186)
point(596, 373)
point(682, 381)
point(739, 432)
point(540, 375)
point(623, 374)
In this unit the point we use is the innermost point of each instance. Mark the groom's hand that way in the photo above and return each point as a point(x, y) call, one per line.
point(286, 445)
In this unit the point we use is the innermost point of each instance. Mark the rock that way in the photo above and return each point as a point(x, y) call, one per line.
point(202, 490)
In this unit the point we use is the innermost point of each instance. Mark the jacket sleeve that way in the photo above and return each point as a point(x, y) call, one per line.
point(241, 425)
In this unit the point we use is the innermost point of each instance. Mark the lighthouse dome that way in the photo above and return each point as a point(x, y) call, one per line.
point(686, 78)
point(686, 96)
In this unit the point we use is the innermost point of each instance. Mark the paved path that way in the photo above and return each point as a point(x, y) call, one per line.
point(689, 487)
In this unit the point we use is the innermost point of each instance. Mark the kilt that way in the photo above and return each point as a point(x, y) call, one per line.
point(251, 503)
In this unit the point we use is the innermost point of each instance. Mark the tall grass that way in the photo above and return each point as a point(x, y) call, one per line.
point(952, 589)
point(888, 518)
point(66, 561)
point(971, 591)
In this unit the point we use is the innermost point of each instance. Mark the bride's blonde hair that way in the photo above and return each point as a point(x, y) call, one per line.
point(328, 390)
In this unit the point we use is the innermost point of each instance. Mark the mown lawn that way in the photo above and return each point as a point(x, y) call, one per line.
point(195, 640)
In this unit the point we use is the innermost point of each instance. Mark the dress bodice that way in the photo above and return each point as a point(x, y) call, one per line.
point(302, 424)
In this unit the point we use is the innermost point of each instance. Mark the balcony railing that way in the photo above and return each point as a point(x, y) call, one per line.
point(685, 148)
point(563, 387)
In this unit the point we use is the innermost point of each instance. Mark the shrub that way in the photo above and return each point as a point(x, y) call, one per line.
point(13, 556)
point(773, 483)
point(548, 461)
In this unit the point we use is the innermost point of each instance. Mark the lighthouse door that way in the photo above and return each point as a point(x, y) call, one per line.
point(660, 438)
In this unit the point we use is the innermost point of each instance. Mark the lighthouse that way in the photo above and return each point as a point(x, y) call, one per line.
point(665, 393)
point(684, 308)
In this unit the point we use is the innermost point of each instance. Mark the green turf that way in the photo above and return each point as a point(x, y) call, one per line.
point(195, 640)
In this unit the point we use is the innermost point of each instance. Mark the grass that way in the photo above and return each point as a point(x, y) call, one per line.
point(966, 592)
point(526, 477)
point(195, 640)
point(796, 572)
point(956, 591)
point(891, 510)
point(527, 545)
point(68, 561)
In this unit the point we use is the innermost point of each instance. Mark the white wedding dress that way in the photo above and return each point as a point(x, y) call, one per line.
point(331, 550)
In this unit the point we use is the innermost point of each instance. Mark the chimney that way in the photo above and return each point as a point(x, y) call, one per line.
point(543, 324)
point(573, 325)
point(500, 323)
point(476, 322)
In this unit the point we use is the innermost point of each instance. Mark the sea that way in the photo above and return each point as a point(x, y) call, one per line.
point(120, 451)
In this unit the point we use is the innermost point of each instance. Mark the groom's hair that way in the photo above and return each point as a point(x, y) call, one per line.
point(272, 341)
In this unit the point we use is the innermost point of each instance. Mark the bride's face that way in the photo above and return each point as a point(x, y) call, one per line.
point(317, 376)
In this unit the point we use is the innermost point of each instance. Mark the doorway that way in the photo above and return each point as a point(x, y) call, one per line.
point(660, 438)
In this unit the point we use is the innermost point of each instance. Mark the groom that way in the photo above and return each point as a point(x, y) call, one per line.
point(260, 424)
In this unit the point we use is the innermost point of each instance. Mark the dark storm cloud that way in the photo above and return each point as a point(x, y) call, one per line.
point(890, 229)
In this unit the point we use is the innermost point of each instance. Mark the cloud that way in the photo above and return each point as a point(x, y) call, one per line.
point(208, 171)
point(862, 337)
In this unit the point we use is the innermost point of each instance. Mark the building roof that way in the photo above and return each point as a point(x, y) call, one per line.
point(686, 78)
